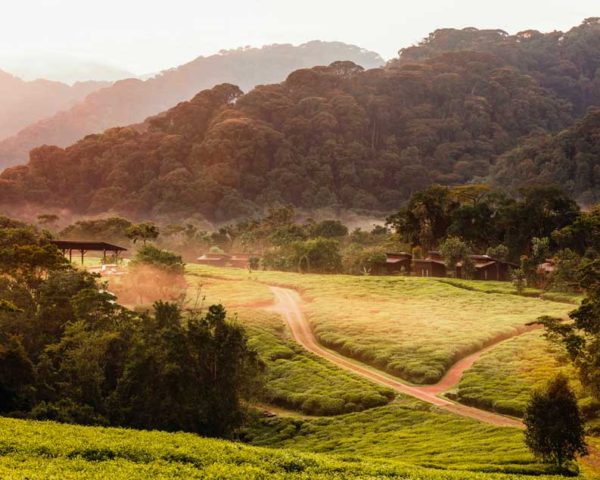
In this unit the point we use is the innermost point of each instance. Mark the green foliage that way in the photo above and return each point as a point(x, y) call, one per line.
point(484, 218)
point(111, 229)
point(69, 352)
point(328, 229)
point(568, 158)
point(328, 136)
point(143, 232)
point(164, 260)
point(414, 328)
point(429, 437)
point(359, 260)
point(503, 378)
point(298, 380)
point(42, 450)
point(457, 255)
point(581, 337)
point(554, 427)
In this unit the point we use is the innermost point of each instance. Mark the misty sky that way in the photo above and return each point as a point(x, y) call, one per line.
point(144, 36)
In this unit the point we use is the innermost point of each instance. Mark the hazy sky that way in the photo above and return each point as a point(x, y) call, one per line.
point(145, 36)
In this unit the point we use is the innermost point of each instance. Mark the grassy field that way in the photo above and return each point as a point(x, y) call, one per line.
point(407, 430)
point(509, 289)
point(414, 328)
point(295, 378)
point(45, 450)
point(502, 379)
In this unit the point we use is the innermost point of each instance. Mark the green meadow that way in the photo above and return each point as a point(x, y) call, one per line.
point(414, 328)
point(295, 379)
point(31, 450)
point(503, 378)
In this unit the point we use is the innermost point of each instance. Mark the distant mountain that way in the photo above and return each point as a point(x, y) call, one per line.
point(131, 101)
point(61, 68)
point(23, 102)
point(335, 136)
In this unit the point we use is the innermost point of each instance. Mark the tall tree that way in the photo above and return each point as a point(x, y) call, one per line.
point(554, 426)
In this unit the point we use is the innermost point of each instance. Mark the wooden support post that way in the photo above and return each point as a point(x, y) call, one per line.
point(70, 255)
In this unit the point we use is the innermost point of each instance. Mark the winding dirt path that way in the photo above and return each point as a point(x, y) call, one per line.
point(288, 305)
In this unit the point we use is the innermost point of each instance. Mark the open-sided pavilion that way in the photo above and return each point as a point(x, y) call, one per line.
point(83, 247)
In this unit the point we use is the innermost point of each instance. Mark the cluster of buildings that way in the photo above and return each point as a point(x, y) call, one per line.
point(486, 267)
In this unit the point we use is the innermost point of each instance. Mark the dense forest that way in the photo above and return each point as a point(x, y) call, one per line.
point(570, 158)
point(69, 352)
point(132, 100)
point(335, 136)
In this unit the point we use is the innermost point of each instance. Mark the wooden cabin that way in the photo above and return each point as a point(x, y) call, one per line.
point(428, 267)
point(396, 263)
point(488, 268)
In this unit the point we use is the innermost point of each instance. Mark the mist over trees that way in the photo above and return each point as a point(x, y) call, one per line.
point(344, 137)
point(132, 100)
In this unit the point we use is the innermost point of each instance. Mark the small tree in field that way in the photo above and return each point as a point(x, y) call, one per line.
point(554, 426)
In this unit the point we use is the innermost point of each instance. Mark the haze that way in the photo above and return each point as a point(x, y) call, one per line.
point(148, 36)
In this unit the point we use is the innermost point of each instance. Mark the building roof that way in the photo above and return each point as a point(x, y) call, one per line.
point(398, 255)
point(85, 245)
point(428, 260)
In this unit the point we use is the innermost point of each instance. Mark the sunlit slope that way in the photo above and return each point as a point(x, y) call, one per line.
point(414, 328)
point(45, 450)
point(294, 378)
point(503, 378)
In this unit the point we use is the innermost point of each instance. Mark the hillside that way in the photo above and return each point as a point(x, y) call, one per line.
point(570, 158)
point(334, 136)
point(24, 102)
point(92, 452)
point(131, 101)
point(566, 63)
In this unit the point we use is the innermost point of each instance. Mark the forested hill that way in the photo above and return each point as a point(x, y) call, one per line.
point(570, 159)
point(327, 136)
point(131, 101)
point(566, 63)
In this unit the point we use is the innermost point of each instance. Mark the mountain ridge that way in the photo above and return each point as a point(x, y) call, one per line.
point(132, 100)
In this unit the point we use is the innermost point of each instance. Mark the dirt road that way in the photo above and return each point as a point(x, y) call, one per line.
point(288, 305)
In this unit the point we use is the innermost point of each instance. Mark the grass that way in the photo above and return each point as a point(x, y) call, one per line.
point(414, 328)
point(295, 378)
point(45, 450)
point(407, 430)
point(508, 288)
point(503, 378)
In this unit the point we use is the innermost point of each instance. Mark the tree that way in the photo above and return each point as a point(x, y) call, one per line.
point(581, 337)
point(499, 252)
point(318, 255)
point(426, 218)
point(47, 219)
point(554, 426)
point(143, 231)
point(457, 255)
point(329, 229)
point(164, 260)
point(111, 229)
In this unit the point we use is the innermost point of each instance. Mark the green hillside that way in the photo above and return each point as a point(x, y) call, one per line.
point(46, 450)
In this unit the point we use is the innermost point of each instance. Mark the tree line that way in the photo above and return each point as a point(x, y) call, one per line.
point(69, 352)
